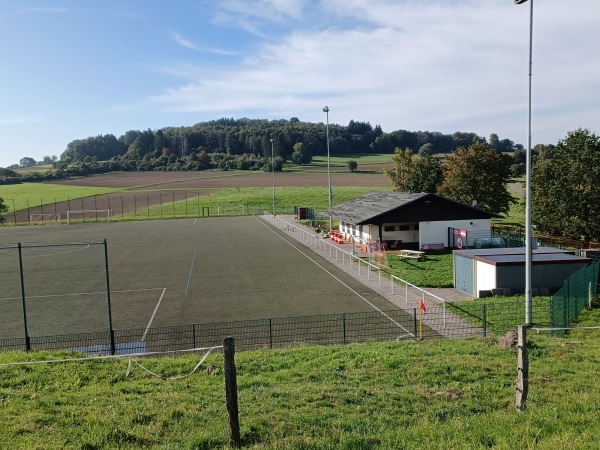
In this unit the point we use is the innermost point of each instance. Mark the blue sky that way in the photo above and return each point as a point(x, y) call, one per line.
point(73, 69)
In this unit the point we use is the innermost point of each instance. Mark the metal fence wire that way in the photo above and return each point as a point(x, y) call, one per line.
point(575, 295)
point(457, 320)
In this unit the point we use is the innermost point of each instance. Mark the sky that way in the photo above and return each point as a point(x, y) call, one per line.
point(71, 69)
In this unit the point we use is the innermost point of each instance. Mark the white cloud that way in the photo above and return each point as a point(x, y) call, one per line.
point(183, 41)
point(439, 65)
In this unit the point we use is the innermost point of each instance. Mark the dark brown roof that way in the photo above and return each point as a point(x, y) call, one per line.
point(381, 207)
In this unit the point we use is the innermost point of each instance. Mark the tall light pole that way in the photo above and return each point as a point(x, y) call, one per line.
point(326, 110)
point(273, 173)
point(528, 244)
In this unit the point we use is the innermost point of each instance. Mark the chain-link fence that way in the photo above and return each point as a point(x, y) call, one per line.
point(576, 294)
point(136, 206)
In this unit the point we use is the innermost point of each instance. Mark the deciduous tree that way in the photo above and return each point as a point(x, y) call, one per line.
point(301, 155)
point(565, 197)
point(3, 209)
point(477, 174)
point(352, 165)
point(427, 175)
point(403, 166)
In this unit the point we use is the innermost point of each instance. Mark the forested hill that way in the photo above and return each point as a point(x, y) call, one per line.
point(253, 137)
point(243, 144)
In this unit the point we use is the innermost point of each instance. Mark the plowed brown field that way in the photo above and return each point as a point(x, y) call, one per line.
point(216, 180)
point(146, 189)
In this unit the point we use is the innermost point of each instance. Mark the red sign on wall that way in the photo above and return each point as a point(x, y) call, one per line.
point(460, 238)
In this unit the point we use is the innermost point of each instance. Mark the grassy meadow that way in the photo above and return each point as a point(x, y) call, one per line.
point(260, 198)
point(443, 394)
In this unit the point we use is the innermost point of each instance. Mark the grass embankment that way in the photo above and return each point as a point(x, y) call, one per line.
point(260, 199)
point(436, 394)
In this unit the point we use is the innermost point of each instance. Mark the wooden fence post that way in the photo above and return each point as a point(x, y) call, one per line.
point(231, 398)
point(522, 368)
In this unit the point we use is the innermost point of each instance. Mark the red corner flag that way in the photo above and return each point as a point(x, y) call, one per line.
point(422, 305)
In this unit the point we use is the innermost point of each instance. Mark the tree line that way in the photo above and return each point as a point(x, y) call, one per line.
point(565, 195)
point(247, 144)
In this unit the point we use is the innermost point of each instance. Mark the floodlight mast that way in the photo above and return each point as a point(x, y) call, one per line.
point(273, 173)
point(326, 111)
point(528, 243)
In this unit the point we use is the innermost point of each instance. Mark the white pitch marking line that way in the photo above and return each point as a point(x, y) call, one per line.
point(340, 281)
point(153, 314)
point(190, 275)
point(80, 293)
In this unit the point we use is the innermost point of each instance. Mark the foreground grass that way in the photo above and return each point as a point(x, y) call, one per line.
point(439, 394)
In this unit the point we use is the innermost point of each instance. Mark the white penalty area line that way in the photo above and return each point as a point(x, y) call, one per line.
point(164, 290)
point(337, 279)
point(187, 288)
point(79, 293)
point(153, 314)
point(56, 253)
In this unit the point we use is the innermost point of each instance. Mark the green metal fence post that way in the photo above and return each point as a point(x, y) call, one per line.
point(566, 305)
point(484, 317)
point(415, 324)
point(552, 321)
point(27, 340)
point(270, 332)
point(110, 324)
point(343, 328)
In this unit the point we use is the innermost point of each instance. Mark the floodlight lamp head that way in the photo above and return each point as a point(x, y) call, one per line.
point(326, 109)
point(271, 140)
point(518, 2)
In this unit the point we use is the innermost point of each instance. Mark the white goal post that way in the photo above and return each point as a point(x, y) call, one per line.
point(89, 215)
point(231, 210)
point(44, 218)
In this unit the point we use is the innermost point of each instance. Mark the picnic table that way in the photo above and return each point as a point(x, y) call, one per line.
point(412, 254)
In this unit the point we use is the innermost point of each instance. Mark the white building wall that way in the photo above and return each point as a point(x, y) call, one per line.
point(434, 232)
point(428, 232)
point(485, 277)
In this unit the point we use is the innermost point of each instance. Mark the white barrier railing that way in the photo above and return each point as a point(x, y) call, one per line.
point(322, 245)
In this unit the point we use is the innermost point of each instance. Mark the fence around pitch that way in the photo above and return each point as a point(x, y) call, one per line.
point(331, 329)
point(133, 206)
point(574, 296)
point(362, 266)
point(481, 319)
